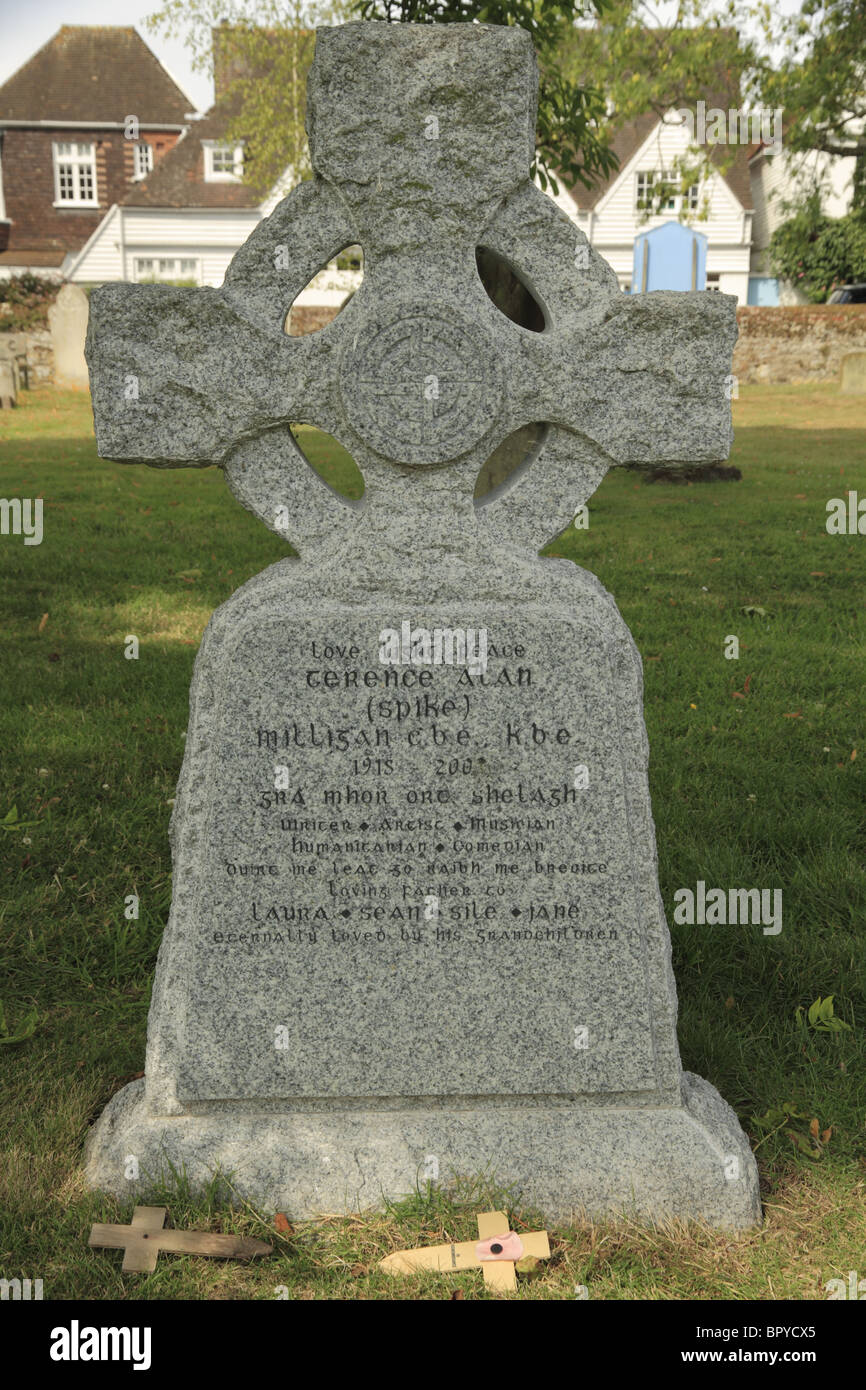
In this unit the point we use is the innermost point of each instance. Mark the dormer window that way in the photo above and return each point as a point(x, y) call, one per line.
point(223, 163)
point(75, 174)
point(142, 159)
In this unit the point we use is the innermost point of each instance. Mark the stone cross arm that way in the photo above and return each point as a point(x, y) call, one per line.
point(180, 377)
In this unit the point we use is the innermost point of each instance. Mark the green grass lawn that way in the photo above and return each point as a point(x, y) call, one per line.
point(756, 776)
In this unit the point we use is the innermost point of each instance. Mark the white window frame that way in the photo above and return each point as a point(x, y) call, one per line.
point(643, 189)
point(645, 182)
point(671, 203)
point(219, 175)
point(647, 179)
point(156, 267)
point(75, 156)
point(142, 160)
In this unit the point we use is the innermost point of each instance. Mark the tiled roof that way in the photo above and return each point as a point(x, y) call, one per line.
point(625, 142)
point(178, 180)
point(93, 73)
point(737, 177)
point(628, 140)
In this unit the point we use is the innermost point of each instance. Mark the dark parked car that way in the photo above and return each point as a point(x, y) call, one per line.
point(848, 294)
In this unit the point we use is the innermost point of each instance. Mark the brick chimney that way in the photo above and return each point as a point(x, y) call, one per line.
point(228, 63)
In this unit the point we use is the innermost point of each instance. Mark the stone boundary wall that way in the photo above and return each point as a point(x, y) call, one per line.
point(801, 342)
point(309, 318)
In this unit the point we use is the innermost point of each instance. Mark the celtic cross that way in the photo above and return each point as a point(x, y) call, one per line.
point(420, 369)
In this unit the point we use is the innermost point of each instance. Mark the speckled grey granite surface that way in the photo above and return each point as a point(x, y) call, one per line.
point(401, 926)
point(691, 1161)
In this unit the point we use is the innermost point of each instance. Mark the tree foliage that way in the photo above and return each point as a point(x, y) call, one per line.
point(815, 70)
point(602, 64)
point(817, 253)
point(262, 50)
point(24, 302)
point(645, 66)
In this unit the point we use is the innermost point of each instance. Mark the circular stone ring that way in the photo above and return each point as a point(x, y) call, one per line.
point(421, 388)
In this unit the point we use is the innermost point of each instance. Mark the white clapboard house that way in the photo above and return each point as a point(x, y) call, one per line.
point(188, 218)
point(184, 221)
point(616, 211)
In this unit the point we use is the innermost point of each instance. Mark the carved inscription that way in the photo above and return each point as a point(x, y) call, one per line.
point(386, 829)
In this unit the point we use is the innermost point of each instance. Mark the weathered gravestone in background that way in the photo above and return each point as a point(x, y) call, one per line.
point(853, 377)
point(67, 319)
point(406, 939)
point(8, 386)
point(10, 371)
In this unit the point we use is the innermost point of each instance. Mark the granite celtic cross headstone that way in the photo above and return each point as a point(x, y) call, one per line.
point(416, 927)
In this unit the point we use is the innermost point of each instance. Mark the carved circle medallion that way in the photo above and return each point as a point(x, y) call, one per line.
point(421, 388)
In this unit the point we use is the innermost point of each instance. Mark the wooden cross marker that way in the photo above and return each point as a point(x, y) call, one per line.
point(142, 1241)
point(495, 1251)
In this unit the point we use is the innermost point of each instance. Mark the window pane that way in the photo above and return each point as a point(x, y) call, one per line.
point(143, 159)
point(85, 183)
point(223, 159)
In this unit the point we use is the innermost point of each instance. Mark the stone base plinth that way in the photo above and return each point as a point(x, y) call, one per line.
point(571, 1160)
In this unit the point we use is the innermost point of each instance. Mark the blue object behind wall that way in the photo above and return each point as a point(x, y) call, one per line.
point(763, 289)
point(670, 257)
